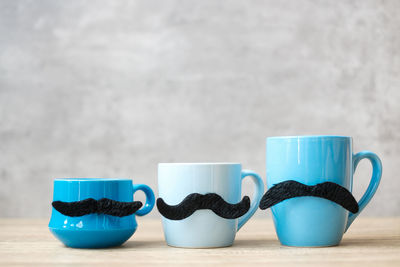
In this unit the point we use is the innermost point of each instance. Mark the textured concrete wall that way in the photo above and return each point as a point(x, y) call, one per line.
point(111, 88)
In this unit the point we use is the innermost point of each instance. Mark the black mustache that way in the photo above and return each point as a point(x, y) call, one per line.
point(210, 201)
point(101, 206)
point(290, 189)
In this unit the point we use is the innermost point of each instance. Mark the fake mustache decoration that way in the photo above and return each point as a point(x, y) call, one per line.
point(290, 189)
point(210, 201)
point(101, 206)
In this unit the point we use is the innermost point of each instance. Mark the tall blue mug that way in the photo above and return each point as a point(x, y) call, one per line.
point(312, 221)
point(96, 230)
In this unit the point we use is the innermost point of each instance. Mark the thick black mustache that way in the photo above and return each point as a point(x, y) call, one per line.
point(210, 201)
point(101, 206)
point(290, 189)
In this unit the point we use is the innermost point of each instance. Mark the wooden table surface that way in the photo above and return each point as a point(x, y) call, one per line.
point(369, 242)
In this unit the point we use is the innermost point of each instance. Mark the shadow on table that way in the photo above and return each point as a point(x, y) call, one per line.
point(128, 245)
point(242, 243)
point(259, 243)
point(370, 242)
point(269, 243)
point(144, 243)
point(348, 243)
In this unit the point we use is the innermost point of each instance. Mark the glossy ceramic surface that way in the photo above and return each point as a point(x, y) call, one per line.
point(312, 221)
point(96, 230)
point(204, 229)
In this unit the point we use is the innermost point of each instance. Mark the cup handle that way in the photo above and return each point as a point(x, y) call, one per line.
point(148, 206)
point(373, 184)
point(258, 193)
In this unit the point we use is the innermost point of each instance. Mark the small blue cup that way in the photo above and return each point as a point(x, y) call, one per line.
point(312, 221)
point(96, 230)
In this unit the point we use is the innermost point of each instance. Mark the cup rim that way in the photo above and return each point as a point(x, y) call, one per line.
point(309, 137)
point(94, 179)
point(200, 163)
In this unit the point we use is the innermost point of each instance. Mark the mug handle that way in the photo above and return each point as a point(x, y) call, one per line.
point(258, 193)
point(373, 184)
point(148, 206)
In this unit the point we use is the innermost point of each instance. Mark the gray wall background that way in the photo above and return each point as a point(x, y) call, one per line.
point(111, 88)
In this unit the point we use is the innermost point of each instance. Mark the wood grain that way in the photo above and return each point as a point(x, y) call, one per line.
point(369, 242)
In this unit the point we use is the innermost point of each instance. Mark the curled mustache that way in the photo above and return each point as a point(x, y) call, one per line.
point(101, 206)
point(290, 189)
point(210, 201)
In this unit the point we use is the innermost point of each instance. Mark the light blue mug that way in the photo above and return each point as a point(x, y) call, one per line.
point(96, 230)
point(204, 228)
point(313, 221)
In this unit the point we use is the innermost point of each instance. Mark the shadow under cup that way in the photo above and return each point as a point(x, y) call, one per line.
point(313, 221)
point(96, 230)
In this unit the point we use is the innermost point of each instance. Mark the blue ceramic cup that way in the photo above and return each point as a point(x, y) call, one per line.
point(96, 230)
point(313, 221)
point(204, 228)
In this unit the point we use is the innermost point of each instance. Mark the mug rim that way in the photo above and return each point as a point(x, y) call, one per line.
point(94, 179)
point(200, 163)
point(290, 137)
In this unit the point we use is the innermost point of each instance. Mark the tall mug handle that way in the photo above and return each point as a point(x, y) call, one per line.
point(258, 193)
point(148, 206)
point(373, 184)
